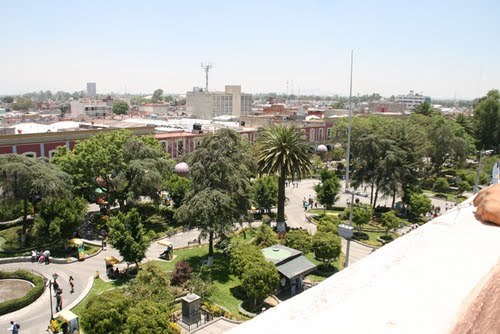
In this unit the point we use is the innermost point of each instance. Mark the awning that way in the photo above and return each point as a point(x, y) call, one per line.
point(111, 260)
point(76, 241)
point(299, 266)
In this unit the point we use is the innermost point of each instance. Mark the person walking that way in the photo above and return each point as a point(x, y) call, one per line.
point(58, 302)
point(14, 327)
point(72, 284)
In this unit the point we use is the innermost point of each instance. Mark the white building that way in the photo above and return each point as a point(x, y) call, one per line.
point(90, 107)
point(91, 90)
point(207, 105)
point(412, 100)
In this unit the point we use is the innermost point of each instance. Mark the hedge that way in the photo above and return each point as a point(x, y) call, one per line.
point(16, 304)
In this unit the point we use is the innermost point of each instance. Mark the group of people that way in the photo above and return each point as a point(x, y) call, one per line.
point(293, 183)
point(308, 203)
point(40, 256)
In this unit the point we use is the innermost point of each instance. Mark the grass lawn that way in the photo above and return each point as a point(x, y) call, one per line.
point(98, 287)
point(224, 282)
point(321, 212)
point(373, 238)
point(319, 276)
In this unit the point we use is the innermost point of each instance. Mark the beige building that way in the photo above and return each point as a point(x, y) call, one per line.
point(207, 105)
point(90, 108)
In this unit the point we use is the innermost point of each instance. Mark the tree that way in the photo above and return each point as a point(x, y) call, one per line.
point(201, 284)
point(326, 247)
point(181, 274)
point(265, 236)
point(120, 108)
point(58, 217)
point(419, 204)
point(178, 187)
point(157, 96)
point(260, 280)
point(281, 150)
point(329, 224)
point(327, 191)
point(152, 283)
point(7, 99)
point(266, 192)
point(221, 166)
point(441, 185)
point(242, 255)
point(149, 317)
point(124, 169)
point(361, 214)
point(487, 121)
point(127, 235)
point(425, 109)
point(31, 180)
point(299, 239)
point(106, 313)
point(389, 220)
point(23, 104)
point(466, 123)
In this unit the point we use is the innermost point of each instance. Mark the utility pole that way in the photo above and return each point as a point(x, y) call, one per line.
point(206, 68)
point(348, 248)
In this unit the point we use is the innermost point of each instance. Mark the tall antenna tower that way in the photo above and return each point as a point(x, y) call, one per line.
point(206, 68)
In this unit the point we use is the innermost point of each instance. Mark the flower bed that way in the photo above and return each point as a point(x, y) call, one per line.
point(16, 304)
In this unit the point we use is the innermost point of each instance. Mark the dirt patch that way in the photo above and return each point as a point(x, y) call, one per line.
point(13, 289)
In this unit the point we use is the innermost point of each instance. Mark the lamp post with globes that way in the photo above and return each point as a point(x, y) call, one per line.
point(322, 149)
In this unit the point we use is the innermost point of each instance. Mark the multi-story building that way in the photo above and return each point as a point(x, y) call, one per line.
point(207, 105)
point(386, 107)
point(412, 100)
point(91, 90)
point(90, 108)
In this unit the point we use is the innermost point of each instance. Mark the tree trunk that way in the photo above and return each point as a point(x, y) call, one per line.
point(281, 202)
point(371, 192)
point(375, 199)
point(25, 221)
point(210, 260)
point(393, 199)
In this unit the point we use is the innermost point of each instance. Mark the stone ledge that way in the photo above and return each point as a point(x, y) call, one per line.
point(421, 282)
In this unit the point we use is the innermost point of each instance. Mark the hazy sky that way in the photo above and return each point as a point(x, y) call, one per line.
point(441, 48)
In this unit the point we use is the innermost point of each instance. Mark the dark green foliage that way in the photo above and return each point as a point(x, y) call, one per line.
point(299, 239)
point(327, 191)
point(126, 234)
point(7, 99)
point(260, 280)
point(419, 204)
point(441, 185)
point(243, 255)
point(326, 247)
point(389, 220)
point(32, 295)
point(487, 121)
point(178, 187)
point(149, 317)
point(23, 104)
point(266, 192)
point(58, 218)
point(107, 313)
point(120, 108)
point(265, 236)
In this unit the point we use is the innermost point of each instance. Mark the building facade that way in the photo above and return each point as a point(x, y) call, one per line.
point(91, 90)
point(412, 100)
point(207, 105)
point(90, 108)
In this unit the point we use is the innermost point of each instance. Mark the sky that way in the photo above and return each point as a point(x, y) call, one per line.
point(443, 49)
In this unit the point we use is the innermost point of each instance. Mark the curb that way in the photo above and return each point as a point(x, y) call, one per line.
point(56, 260)
point(83, 295)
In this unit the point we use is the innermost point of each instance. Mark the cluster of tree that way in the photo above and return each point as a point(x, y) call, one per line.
point(326, 243)
point(259, 278)
point(144, 306)
point(120, 108)
point(487, 121)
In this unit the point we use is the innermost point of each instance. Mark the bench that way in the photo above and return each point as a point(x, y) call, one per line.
point(194, 241)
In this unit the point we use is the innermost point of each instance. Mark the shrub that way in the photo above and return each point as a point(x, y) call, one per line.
point(260, 279)
point(242, 255)
point(265, 236)
point(441, 185)
point(30, 297)
point(181, 274)
point(360, 236)
point(326, 247)
point(299, 239)
point(387, 237)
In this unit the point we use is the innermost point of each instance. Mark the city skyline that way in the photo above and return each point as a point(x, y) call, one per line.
point(443, 50)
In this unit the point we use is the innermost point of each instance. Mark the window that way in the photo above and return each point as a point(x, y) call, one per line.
point(180, 147)
point(311, 135)
point(30, 154)
point(320, 134)
point(52, 153)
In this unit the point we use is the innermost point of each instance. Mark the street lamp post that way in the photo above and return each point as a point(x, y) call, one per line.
point(54, 276)
point(476, 184)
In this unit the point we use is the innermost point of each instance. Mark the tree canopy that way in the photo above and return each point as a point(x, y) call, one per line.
point(220, 169)
point(327, 191)
point(266, 192)
point(260, 280)
point(487, 121)
point(120, 108)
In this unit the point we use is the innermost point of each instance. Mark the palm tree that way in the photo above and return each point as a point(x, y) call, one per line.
point(281, 150)
point(425, 109)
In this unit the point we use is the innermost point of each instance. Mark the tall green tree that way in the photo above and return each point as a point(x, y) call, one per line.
point(120, 108)
point(361, 214)
point(123, 166)
point(127, 235)
point(389, 220)
point(419, 204)
point(487, 121)
point(327, 191)
point(157, 96)
point(265, 236)
point(178, 187)
point(221, 167)
point(7, 99)
point(260, 280)
point(106, 313)
point(425, 109)
point(282, 151)
point(266, 192)
point(299, 239)
point(31, 180)
point(23, 104)
point(326, 247)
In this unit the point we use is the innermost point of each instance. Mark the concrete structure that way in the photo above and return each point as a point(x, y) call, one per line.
point(89, 108)
point(412, 100)
point(153, 109)
point(386, 107)
point(207, 105)
point(91, 90)
point(423, 282)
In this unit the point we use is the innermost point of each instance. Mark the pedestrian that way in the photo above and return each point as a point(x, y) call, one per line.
point(33, 256)
point(14, 327)
point(311, 201)
point(72, 284)
point(286, 183)
point(55, 286)
point(305, 205)
point(58, 303)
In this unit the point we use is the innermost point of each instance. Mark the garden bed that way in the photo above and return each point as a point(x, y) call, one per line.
point(32, 295)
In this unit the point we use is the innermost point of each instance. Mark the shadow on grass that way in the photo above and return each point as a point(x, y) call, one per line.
point(219, 270)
